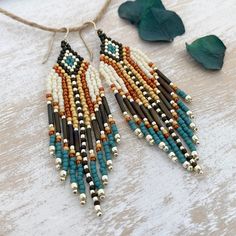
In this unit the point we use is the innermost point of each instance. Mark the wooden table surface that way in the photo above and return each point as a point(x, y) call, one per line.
point(147, 194)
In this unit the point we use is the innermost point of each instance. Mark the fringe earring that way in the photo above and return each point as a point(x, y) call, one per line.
point(78, 112)
point(152, 105)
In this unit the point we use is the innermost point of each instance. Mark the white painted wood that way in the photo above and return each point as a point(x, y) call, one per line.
point(147, 194)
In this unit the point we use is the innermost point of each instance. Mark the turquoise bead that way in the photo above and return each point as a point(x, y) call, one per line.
point(70, 61)
point(181, 93)
point(163, 139)
point(154, 135)
point(182, 106)
point(80, 181)
point(187, 140)
point(132, 125)
point(102, 164)
point(185, 118)
point(144, 129)
point(94, 175)
point(111, 140)
point(114, 129)
point(185, 127)
point(176, 150)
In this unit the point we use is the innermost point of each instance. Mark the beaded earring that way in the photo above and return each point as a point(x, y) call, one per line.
point(78, 112)
point(151, 104)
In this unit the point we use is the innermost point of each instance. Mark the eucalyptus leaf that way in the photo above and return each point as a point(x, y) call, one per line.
point(134, 10)
point(154, 22)
point(209, 51)
point(160, 25)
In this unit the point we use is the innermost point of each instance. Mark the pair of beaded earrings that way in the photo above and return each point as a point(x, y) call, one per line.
point(83, 133)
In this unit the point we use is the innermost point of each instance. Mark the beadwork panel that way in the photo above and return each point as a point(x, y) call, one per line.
point(147, 194)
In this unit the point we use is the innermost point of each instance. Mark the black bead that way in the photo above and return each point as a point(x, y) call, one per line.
point(179, 144)
point(84, 154)
point(89, 179)
point(85, 162)
point(96, 203)
point(91, 187)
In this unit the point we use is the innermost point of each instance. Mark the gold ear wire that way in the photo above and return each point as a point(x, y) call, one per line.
point(91, 22)
point(86, 46)
point(83, 40)
point(67, 33)
point(50, 45)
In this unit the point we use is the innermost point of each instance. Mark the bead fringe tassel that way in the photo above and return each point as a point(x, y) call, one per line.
point(78, 113)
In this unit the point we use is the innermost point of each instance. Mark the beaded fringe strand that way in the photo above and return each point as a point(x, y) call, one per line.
point(78, 112)
point(151, 104)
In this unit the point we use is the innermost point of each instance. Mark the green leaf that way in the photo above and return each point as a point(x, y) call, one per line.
point(209, 51)
point(154, 22)
point(134, 10)
point(160, 25)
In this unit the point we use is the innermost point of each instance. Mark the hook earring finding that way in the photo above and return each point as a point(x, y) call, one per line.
point(82, 38)
point(91, 22)
point(67, 33)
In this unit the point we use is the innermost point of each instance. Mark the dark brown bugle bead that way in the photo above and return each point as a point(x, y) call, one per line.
point(129, 106)
point(71, 134)
point(50, 114)
point(96, 129)
point(120, 102)
point(77, 140)
point(103, 113)
point(57, 122)
point(89, 138)
point(99, 119)
point(64, 128)
point(138, 110)
point(161, 75)
point(146, 113)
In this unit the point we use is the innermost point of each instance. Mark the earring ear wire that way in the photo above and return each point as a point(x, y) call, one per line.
point(87, 23)
point(50, 45)
point(91, 22)
point(67, 33)
point(86, 46)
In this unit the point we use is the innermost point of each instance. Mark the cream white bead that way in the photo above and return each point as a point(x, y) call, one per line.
point(166, 149)
point(63, 175)
point(74, 187)
point(174, 159)
point(101, 194)
point(117, 138)
point(149, 138)
point(198, 169)
point(82, 197)
point(98, 210)
point(114, 150)
point(105, 179)
point(138, 132)
point(194, 154)
point(162, 145)
point(193, 126)
point(190, 114)
point(109, 165)
point(188, 99)
point(171, 155)
point(186, 164)
point(190, 168)
point(58, 167)
point(195, 139)
point(58, 161)
point(51, 148)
